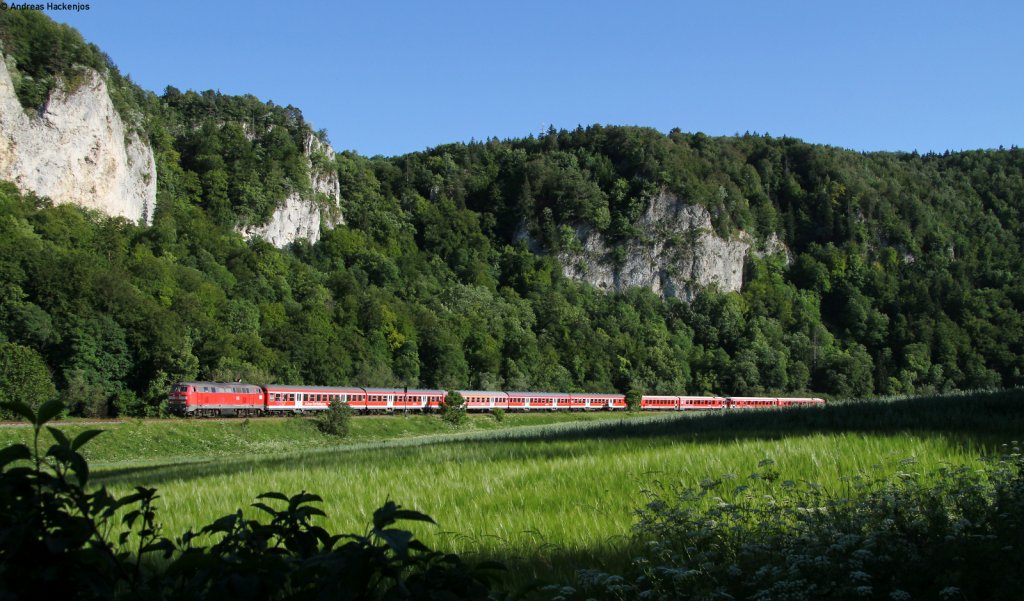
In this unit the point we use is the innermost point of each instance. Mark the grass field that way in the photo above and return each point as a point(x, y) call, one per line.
point(543, 496)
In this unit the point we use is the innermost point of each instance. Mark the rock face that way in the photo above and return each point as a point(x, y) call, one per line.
point(302, 217)
point(677, 254)
point(76, 150)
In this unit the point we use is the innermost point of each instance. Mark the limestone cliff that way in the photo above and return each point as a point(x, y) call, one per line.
point(299, 217)
point(76, 150)
point(676, 254)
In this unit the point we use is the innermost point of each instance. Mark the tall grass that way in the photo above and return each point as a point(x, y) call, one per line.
point(541, 504)
point(548, 498)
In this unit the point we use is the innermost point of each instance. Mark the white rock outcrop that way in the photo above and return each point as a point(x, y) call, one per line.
point(301, 217)
point(77, 150)
point(677, 254)
point(296, 218)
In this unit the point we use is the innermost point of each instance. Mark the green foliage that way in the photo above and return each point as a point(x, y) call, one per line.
point(247, 156)
point(23, 377)
point(336, 420)
point(454, 411)
point(63, 536)
point(949, 534)
point(633, 399)
point(42, 51)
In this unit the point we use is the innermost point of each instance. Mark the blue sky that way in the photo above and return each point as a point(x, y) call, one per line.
point(396, 77)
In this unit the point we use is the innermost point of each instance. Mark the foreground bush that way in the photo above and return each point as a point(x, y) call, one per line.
point(954, 534)
point(60, 540)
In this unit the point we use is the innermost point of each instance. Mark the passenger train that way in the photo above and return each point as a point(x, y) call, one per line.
point(215, 399)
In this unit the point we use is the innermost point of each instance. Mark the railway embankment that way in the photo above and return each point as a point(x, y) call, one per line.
point(155, 440)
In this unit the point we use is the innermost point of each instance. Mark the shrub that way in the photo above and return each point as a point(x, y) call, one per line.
point(499, 414)
point(454, 411)
point(336, 420)
point(633, 398)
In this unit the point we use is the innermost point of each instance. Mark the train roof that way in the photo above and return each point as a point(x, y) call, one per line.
point(283, 387)
point(205, 383)
point(540, 394)
point(402, 390)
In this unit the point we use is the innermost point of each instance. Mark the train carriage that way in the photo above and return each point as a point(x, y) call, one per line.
point(382, 400)
point(659, 402)
point(283, 399)
point(538, 401)
point(211, 399)
point(484, 400)
point(800, 401)
point(747, 402)
point(424, 400)
point(586, 401)
point(389, 400)
point(701, 403)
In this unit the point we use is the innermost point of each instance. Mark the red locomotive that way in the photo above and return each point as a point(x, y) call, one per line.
point(227, 399)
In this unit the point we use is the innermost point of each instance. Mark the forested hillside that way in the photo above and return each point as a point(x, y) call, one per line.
point(902, 272)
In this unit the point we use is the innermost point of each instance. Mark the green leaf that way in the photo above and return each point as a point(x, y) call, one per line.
point(409, 514)
point(81, 468)
point(59, 436)
point(398, 540)
point(265, 507)
point(163, 545)
point(13, 453)
point(49, 410)
point(303, 497)
point(21, 409)
point(385, 515)
point(85, 437)
point(273, 495)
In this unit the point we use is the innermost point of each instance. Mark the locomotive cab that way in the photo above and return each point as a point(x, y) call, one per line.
point(212, 399)
point(177, 400)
